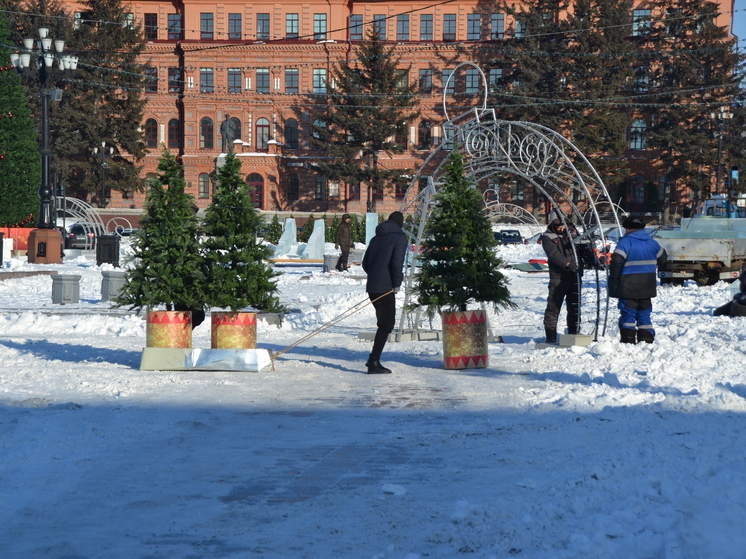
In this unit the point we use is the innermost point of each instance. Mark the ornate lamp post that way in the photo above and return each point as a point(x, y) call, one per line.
point(45, 242)
point(722, 115)
point(104, 166)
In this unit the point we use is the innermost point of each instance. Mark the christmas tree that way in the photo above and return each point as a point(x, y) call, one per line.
point(305, 233)
point(275, 231)
point(237, 275)
point(459, 264)
point(168, 264)
point(333, 229)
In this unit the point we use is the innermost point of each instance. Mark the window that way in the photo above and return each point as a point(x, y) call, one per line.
point(496, 74)
point(520, 30)
point(636, 189)
point(129, 21)
point(400, 189)
point(174, 133)
point(206, 26)
point(319, 80)
point(150, 27)
point(449, 27)
point(638, 135)
point(379, 25)
point(402, 80)
point(356, 28)
point(291, 133)
point(151, 133)
point(151, 79)
point(641, 79)
point(262, 134)
point(203, 185)
point(292, 186)
point(401, 138)
point(448, 135)
point(426, 27)
point(206, 80)
point(353, 191)
point(424, 135)
point(206, 133)
point(291, 26)
point(262, 80)
point(291, 80)
point(321, 186)
point(319, 26)
point(174, 27)
point(473, 31)
point(448, 86)
point(674, 21)
point(234, 80)
point(234, 26)
point(256, 185)
point(318, 128)
point(174, 80)
point(640, 22)
point(151, 179)
point(473, 80)
point(402, 28)
point(262, 26)
point(497, 30)
point(426, 81)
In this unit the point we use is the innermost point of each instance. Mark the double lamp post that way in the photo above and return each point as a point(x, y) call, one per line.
point(45, 242)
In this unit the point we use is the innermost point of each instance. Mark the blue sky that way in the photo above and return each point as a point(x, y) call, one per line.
point(739, 22)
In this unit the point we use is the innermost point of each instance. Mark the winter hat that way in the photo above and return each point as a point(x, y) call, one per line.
point(633, 223)
point(554, 217)
point(346, 216)
point(398, 218)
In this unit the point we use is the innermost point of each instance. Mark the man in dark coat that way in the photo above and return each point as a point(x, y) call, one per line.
point(343, 241)
point(633, 279)
point(564, 278)
point(383, 262)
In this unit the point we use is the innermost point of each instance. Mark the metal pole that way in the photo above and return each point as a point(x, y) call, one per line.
point(45, 190)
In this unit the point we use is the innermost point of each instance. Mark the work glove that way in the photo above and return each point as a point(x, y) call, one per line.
point(573, 268)
point(336, 247)
point(396, 290)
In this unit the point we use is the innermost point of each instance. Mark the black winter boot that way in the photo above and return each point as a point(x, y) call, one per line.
point(375, 367)
point(645, 336)
point(627, 336)
point(551, 336)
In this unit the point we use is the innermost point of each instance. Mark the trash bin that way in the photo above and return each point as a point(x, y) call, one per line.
point(111, 284)
point(65, 289)
point(330, 261)
point(107, 250)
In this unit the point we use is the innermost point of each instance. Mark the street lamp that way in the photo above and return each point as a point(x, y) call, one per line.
point(104, 167)
point(721, 116)
point(45, 242)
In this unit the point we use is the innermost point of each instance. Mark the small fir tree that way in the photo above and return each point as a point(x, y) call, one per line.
point(357, 229)
point(332, 229)
point(169, 267)
point(305, 232)
point(459, 264)
point(275, 231)
point(237, 275)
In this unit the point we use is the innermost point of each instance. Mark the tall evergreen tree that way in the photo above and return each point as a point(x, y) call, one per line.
point(275, 230)
point(169, 268)
point(369, 109)
point(698, 72)
point(103, 99)
point(20, 169)
point(237, 275)
point(459, 264)
point(306, 230)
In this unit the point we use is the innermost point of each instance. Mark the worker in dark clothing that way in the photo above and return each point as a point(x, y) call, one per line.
point(564, 278)
point(343, 241)
point(383, 262)
point(633, 280)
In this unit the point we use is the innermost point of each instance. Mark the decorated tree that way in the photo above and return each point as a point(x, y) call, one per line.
point(459, 264)
point(20, 169)
point(305, 232)
point(236, 271)
point(332, 229)
point(358, 229)
point(168, 266)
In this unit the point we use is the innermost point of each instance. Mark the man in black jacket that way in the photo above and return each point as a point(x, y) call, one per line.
point(383, 262)
point(563, 278)
point(343, 241)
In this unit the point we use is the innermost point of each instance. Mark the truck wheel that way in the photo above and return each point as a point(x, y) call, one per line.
point(707, 279)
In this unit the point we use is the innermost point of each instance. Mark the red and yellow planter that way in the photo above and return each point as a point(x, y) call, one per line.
point(465, 340)
point(169, 329)
point(233, 330)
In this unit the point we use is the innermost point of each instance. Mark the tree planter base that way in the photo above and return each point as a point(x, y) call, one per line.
point(465, 340)
point(183, 359)
point(169, 329)
point(233, 330)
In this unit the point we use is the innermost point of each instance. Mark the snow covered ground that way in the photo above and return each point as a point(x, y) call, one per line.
point(604, 451)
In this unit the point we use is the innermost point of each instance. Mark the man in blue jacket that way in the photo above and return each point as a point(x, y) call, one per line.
point(633, 279)
point(383, 262)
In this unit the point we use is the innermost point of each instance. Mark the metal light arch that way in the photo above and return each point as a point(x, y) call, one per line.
point(537, 154)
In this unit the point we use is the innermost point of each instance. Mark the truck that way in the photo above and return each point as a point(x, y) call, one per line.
point(709, 247)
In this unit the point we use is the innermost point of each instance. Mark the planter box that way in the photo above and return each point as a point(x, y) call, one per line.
point(65, 289)
point(171, 329)
point(233, 330)
point(465, 340)
point(111, 284)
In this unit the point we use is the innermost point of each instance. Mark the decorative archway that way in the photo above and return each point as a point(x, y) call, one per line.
point(542, 157)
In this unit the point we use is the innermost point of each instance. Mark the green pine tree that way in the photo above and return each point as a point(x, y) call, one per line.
point(328, 237)
point(168, 268)
point(368, 115)
point(357, 229)
point(275, 231)
point(332, 229)
point(305, 232)
point(459, 264)
point(20, 168)
point(237, 274)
